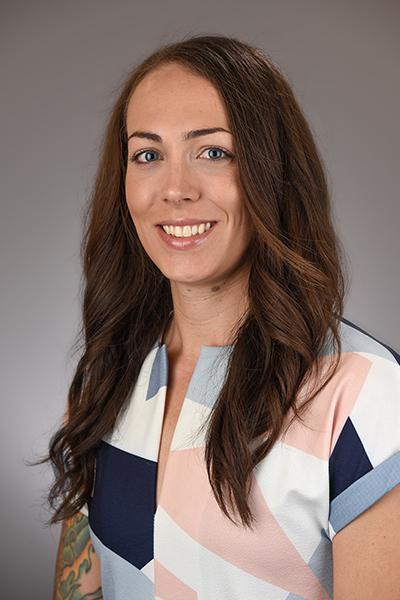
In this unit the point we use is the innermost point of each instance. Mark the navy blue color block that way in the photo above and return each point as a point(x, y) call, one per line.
point(348, 461)
point(121, 510)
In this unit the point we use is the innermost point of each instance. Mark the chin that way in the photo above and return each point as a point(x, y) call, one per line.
point(187, 278)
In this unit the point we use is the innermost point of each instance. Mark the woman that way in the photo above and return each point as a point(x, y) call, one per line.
point(229, 434)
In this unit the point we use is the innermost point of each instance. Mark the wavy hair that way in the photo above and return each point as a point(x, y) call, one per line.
point(296, 284)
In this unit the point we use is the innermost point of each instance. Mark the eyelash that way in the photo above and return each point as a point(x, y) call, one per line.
point(134, 157)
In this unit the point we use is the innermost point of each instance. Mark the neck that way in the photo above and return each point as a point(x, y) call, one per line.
point(205, 315)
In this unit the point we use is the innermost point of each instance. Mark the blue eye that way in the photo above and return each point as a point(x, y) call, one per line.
point(135, 157)
point(216, 149)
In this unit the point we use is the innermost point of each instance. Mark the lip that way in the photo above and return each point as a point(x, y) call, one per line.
point(186, 243)
point(183, 222)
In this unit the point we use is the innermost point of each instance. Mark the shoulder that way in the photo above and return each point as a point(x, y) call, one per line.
point(364, 461)
point(356, 339)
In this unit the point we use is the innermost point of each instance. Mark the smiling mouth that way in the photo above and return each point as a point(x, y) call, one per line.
point(187, 231)
point(186, 242)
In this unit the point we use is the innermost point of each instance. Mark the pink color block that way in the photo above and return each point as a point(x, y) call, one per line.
point(169, 587)
point(189, 501)
point(325, 416)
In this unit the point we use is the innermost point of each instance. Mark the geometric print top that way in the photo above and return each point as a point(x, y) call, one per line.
point(319, 476)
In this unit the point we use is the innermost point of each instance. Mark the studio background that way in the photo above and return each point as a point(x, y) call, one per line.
point(62, 64)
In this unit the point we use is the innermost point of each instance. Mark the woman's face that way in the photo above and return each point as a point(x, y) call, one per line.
point(174, 180)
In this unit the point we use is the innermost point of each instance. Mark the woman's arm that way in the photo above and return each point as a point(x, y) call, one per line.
point(366, 553)
point(77, 573)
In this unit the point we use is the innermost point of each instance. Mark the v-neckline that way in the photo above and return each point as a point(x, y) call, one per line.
point(205, 359)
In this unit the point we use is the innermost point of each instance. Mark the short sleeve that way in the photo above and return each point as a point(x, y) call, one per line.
point(365, 462)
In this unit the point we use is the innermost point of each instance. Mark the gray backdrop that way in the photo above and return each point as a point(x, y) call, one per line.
point(61, 64)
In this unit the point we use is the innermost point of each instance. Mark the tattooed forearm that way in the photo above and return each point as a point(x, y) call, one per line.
point(77, 568)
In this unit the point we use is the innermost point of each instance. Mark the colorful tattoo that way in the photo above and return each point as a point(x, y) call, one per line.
point(75, 562)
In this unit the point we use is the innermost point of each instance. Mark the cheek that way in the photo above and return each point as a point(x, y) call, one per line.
point(134, 199)
point(128, 193)
point(242, 223)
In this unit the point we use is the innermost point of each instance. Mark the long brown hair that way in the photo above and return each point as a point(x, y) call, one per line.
point(296, 284)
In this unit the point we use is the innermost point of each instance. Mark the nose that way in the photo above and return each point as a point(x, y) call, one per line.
point(179, 183)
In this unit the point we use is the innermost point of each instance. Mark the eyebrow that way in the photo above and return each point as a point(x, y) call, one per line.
point(188, 135)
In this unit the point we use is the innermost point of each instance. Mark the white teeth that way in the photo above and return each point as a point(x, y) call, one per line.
point(187, 230)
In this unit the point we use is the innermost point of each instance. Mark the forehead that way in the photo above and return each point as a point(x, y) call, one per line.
point(172, 95)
